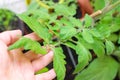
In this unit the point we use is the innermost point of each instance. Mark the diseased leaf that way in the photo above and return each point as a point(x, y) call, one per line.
point(87, 36)
point(109, 47)
point(38, 14)
point(28, 44)
point(59, 63)
point(66, 22)
point(100, 69)
point(32, 6)
point(75, 22)
point(41, 30)
point(88, 20)
point(67, 32)
point(67, 11)
point(84, 57)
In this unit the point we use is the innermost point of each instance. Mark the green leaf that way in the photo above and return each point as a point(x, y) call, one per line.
point(88, 20)
point(119, 72)
point(95, 33)
point(82, 52)
point(109, 47)
point(87, 45)
point(80, 66)
point(117, 54)
point(59, 63)
point(33, 5)
point(75, 22)
point(87, 36)
point(67, 32)
point(42, 71)
point(98, 48)
point(119, 40)
point(66, 22)
point(98, 4)
point(113, 37)
point(39, 29)
point(83, 57)
point(28, 44)
point(107, 19)
point(104, 30)
point(71, 45)
point(38, 14)
point(100, 69)
point(115, 27)
point(64, 10)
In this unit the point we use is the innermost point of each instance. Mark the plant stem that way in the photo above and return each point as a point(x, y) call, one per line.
point(102, 12)
point(61, 1)
point(108, 2)
point(96, 13)
point(75, 42)
point(71, 56)
point(42, 4)
point(110, 7)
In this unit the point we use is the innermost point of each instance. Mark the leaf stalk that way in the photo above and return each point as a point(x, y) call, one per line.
point(106, 9)
point(42, 4)
point(61, 1)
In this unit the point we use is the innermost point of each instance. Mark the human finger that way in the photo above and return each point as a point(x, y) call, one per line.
point(82, 12)
point(32, 56)
point(85, 4)
point(46, 76)
point(33, 36)
point(9, 37)
point(3, 53)
point(42, 61)
point(16, 53)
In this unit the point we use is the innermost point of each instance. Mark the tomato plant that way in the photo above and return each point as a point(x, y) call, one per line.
point(7, 20)
point(95, 38)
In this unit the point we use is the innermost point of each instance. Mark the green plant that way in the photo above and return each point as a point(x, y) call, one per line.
point(7, 18)
point(96, 39)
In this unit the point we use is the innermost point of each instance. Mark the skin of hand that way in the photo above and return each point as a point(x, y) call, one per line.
point(85, 7)
point(14, 65)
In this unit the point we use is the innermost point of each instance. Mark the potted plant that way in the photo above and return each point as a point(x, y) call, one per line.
point(95, 38)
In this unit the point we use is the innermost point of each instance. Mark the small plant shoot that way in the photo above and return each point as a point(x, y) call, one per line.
point(95, 38)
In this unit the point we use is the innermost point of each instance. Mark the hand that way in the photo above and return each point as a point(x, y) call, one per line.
point(85, 7)
point(14, 65)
